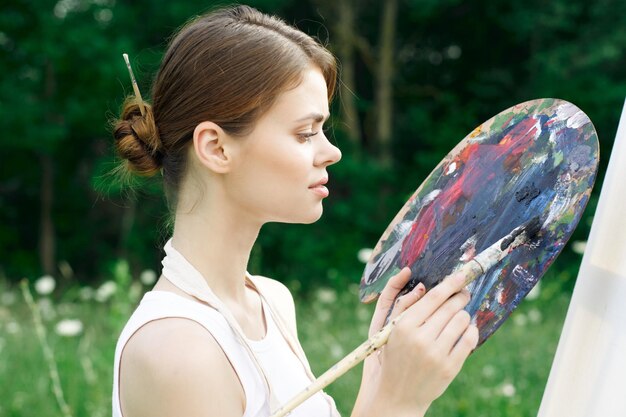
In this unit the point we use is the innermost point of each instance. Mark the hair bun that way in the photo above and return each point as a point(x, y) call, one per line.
point(137, 139)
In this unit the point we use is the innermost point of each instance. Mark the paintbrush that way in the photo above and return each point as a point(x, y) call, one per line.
point(473, 269)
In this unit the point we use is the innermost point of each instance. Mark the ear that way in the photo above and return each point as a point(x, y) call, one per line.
point(212, 147)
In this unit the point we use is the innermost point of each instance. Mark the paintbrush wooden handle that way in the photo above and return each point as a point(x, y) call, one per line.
point(350, 361)
point(471, 270)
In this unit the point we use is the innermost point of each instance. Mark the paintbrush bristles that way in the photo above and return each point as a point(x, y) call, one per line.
point(496, 252)
point(533, 227)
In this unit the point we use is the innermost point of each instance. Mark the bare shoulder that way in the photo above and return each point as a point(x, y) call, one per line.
point(280, 296)
point(167, 368)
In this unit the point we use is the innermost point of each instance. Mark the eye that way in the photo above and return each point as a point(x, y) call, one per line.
point(306, 136)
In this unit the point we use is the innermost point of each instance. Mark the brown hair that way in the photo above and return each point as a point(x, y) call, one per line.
point(228, 67)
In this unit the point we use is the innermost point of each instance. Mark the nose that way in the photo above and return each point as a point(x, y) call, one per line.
point(328, 153)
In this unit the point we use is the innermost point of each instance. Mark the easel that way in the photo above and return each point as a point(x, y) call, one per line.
point(588, 375)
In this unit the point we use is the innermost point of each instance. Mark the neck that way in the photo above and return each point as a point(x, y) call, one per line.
point(217, 242)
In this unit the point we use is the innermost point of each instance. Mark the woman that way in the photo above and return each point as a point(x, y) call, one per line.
point(236, 131)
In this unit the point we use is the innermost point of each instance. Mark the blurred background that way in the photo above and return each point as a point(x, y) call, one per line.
point(416, 77)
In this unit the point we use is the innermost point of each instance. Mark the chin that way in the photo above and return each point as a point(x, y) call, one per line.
point(316, 216)
point(309, 218)
point(313, 220)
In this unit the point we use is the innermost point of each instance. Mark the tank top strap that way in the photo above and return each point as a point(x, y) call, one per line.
point(180, 272)
point(291, 339)
point(280, 322)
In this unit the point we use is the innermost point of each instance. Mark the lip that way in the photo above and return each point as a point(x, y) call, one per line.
point(320, 183)
point(320, 190)
point(319, 187)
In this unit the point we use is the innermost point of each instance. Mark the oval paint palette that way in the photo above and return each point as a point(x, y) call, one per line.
point(538, 158)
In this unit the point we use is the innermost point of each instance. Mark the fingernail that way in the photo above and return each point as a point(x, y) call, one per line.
point(419, 288)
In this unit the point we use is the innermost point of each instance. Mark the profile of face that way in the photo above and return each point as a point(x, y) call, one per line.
point(275, 168)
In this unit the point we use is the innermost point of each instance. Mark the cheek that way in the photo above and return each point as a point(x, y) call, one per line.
point(288, 164)
point(273, 176)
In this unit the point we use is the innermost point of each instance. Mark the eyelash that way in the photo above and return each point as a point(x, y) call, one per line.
point(306, 137)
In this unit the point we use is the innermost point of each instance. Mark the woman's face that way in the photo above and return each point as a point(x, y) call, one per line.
point(285, 156)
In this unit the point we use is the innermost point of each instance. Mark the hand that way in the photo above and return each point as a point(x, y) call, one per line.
point(388, 296)
point(425, 351)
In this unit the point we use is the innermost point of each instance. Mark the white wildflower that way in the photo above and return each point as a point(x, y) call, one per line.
point(7, 298)
point(579, 246)
point(48, 312)
point(534, 315)
point(69, 327)
point(520, 319)
point(364, 255)
point(103, 15)
point(507, 389)
point(489, 371)
point(336, 351)
point(135, 291)
point(86, 293)
point(12, 327)
point(147, 277)
point(323, 315)
point(326, 295)
point(45, 285)
point(452, 52)
point(105, 291)
point(535, 292)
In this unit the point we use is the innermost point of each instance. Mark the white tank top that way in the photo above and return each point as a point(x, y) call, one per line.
point(284, 370)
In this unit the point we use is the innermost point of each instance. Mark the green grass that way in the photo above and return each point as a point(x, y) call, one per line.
point(506, 376)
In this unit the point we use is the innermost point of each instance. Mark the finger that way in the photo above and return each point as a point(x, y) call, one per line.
point(434, 298)
point(435, 324)
point(466, 344)
point(395, 284)
point(407, 300)
point(453, 331)
point(454, 282)
point(387, 298)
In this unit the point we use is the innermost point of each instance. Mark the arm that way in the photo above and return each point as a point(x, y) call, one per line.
point(173, 367)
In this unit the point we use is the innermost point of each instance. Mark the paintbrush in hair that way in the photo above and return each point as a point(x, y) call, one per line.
point(473, 269)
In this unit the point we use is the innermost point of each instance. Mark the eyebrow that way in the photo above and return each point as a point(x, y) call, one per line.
point(317, 117)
